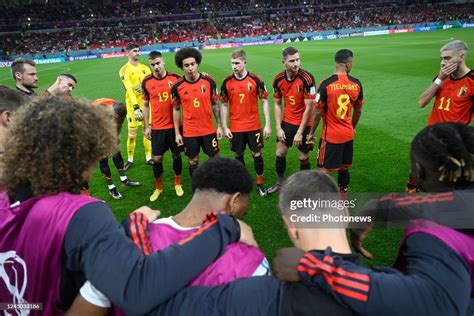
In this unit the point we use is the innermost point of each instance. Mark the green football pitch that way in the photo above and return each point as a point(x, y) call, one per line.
point(394, 71)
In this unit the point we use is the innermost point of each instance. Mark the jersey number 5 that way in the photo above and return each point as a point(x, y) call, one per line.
point(343, 101)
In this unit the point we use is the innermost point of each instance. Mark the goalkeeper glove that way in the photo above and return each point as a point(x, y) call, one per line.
point(137, 112)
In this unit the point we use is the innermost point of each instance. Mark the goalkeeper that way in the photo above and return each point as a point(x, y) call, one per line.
point(132, 75)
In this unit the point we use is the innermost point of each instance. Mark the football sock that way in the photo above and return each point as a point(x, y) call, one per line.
point(131, 143)
point(280, 166)
point(157, 170)
point(258, 164)
point(304, 164)
point(191, 169)
point(158, 184)
point(104, 168)
point(177, 165)
point(343, 178)
point(147, 146)
point(118, 161)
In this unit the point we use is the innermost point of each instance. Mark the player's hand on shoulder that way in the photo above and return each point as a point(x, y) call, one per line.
point(228, 133)
point(246, 234)
point(151, 215)
point(285, 263)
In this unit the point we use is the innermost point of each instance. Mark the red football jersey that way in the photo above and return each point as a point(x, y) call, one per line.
point(158, 93)
point(242, 96)
point(196, 99)
point(454, 100)
point(294, 93)
point(337, 96)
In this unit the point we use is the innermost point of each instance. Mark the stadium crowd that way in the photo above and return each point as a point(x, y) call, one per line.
point(113, 25)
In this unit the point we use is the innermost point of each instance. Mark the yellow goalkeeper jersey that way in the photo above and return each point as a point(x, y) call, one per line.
point(132, 77)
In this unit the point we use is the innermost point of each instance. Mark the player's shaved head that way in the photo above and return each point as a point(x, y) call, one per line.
point(289, 51)
point(154, 55)
point(307, 184)
point(343, 56)
point(456, 46)
point(187, 52)
point(240, 53)
point(69, 76)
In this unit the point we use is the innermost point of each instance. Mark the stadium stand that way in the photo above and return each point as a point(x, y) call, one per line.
point(62, 28)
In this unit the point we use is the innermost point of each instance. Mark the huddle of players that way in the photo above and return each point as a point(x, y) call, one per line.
point(166, 95)
point(163, 95)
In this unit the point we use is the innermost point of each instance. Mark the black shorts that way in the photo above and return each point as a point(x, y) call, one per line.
point(253, 138)
point(208, 143)
point(163, 140)
point(290, 132)
point(335, 156)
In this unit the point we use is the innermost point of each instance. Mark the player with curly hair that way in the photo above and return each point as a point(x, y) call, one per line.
point(64, 237)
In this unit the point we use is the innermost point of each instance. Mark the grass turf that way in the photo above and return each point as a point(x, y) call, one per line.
point(394, 70)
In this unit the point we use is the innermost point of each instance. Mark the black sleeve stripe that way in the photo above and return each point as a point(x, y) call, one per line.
point(307, 78)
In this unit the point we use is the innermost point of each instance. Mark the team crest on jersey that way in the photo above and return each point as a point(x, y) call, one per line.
point(462, 91)
point(144, 72)
point(249, 86)
point(203, 89)
point(170, 83)
point(298, 88)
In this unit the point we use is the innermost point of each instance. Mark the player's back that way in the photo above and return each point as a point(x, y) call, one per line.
point(337, 96)
point(238, 260)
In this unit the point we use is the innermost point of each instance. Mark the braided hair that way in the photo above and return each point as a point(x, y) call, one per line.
point(450, 147)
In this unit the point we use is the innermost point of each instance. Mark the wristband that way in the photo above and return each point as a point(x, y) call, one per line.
point(237, 227)
point(136, 107)
point(437, 81)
